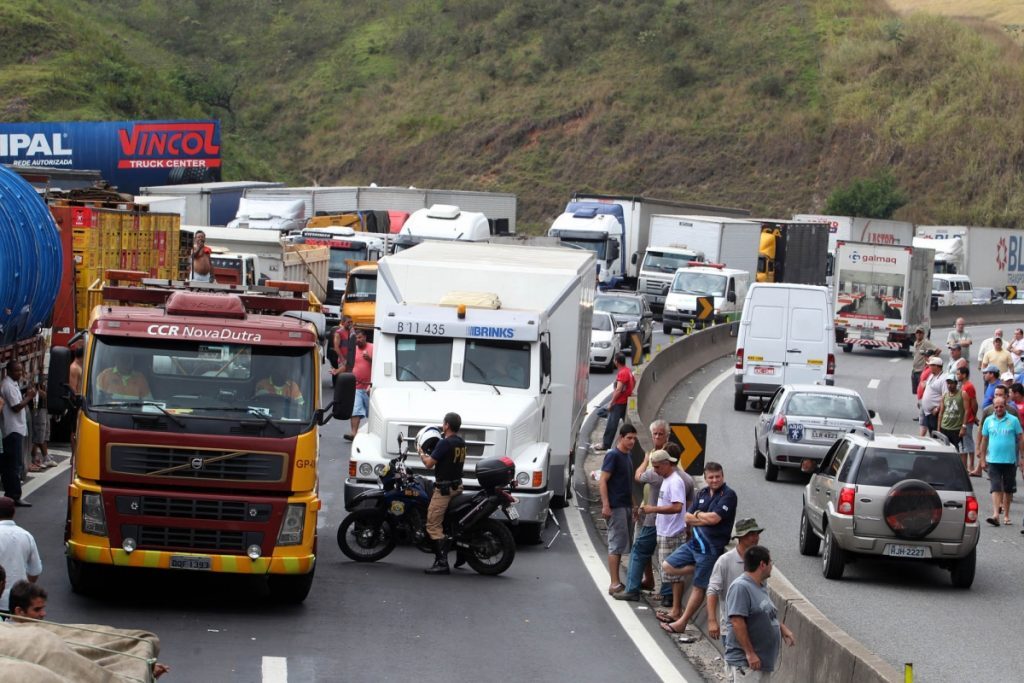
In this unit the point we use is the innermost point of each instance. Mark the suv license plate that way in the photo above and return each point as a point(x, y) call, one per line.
point(512, 512)
point(190, 562)
point(764, 370)
point(831, 436)
point(897, 550)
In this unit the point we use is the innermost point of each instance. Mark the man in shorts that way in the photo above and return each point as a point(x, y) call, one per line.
point(616, 487)
point(710, 521)
point(1002, 447)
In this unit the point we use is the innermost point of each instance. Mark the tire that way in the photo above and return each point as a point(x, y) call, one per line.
point(962, 572)
point(833, 560)
point(912, 509)
point(85, 578)
point(739, 402)
point(771, 470)
point(290, 589)
point(809, 542)
point(847, 348)
point(491, 548)
point(666, 328)
point(529, 534)
point(562, 501)
point(758, 456)
point(371, 536)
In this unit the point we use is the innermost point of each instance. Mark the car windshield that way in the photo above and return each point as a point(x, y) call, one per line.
point(596, 246)
point(702, 284)
point(826, 405)
point(666, 263)
point(338, 267)
point(601, 323)
point(497, 363)
point(423, 359)
point(361, 287)
point(200, 379)
point(943, 471)
point(617, 305)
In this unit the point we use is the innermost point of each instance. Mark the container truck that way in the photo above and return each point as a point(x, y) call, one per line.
point(348, 249)
point(500, 334)
point(881, 293)
point(991, 257)
point(619, 247)
point(859, 229)
point(498, 207)
point(793, 251)
point(442, 222)
point(208, 203)
point(197, 439)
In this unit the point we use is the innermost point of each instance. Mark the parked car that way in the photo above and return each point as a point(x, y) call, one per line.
point(894, 497)
point(801, 422)
point(630, 312)
point(604, 342)
point(985, 295)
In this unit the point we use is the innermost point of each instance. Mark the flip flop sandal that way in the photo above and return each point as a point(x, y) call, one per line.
point(992, 520)
point(664, 617)
point(669, 629)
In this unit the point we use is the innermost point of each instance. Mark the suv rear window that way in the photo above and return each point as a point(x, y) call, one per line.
point(826, 405)
point(943, 471)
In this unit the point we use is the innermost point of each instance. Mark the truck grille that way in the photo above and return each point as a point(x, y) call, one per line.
point(653, 287)
point(476, 439)
point(196, 463)
point(187, 508)
point(210, 540)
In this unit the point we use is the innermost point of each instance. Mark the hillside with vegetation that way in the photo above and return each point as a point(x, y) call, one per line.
point(768, 105)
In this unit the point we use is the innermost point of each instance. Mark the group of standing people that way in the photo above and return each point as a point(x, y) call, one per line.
point(23, 414)
point(689, 530)
point(987, 421)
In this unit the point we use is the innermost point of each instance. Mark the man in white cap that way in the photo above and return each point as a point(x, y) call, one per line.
point(931, 399)
point(986, 346)
point(999, 357)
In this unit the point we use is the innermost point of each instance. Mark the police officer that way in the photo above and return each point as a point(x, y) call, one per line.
point(446, 459)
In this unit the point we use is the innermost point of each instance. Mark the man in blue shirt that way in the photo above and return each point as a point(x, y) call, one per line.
point(1002, 445)
point(753, 634)
point(617, 501)
point(991, 377)
point(710, 519)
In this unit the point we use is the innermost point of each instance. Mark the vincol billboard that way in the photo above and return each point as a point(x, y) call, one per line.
point(128, 154)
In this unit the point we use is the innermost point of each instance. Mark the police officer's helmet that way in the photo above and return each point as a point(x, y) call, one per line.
point(427, 438)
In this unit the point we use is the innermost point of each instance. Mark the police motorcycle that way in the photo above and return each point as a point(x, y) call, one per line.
point(380, 518)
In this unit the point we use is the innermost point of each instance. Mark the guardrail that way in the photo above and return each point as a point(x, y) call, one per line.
point(824, 651)
point(945, 316)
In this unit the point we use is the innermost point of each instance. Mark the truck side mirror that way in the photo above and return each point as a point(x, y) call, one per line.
point(613, 252)
point(545, 359)
point(58, 394)
point(731, 297)
point(344, 396)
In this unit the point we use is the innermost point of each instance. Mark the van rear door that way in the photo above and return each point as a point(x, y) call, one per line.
point(765, 344)
point(808, 343)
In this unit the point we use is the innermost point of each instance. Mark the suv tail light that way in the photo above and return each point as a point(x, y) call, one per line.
point(780, 423)
point(971, 514)
point(869, 425)
point(739, 359)
point(830, 367)
point(846, 496)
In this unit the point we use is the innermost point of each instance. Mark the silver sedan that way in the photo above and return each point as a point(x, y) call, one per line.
point(801, 422)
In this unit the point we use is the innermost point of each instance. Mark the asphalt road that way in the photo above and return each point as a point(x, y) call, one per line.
point(903, 611)
point(544, 618)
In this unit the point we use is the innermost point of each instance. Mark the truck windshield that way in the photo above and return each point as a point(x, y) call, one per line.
point(666, 263)
point(596, 246)
point(361, 287)
point(338, 267)
point(702, 284)
point(497, 363)
point(200, 379)
point(423, 359)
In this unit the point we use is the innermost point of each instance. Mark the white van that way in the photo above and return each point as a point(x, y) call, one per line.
point(952, 290)
point(785, 337)
point(727, 286)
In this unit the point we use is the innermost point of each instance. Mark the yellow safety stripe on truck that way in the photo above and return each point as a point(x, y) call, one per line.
point(226, 564)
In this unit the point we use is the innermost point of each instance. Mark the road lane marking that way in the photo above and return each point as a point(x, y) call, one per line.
point(873, 384)
point(275, 670)
point(698, 405)
point(895, 360)
point(39, 479)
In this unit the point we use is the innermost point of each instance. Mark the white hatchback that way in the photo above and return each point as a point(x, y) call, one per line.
point(604, 342)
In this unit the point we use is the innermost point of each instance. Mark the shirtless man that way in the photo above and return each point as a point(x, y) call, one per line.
point(202, 268)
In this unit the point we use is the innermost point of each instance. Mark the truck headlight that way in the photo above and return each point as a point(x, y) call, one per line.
point(94, 519)
point(523, 479)
point(292, 524)
point(365, 469)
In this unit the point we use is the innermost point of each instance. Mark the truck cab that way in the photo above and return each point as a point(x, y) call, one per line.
point(360, 300)
point(442, 222)
point(657, 270)
point(597, 229)
point(235, 269)
point(726, 286)
point(347, 246)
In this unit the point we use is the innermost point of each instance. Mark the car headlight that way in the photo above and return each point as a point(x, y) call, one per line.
point(603, 344)
point(292, 524)
point(94, 519)
point(628, 326)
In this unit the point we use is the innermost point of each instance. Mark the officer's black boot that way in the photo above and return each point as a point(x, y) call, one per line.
point(440, 565)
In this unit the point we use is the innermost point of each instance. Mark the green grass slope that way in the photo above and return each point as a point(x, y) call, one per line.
point(766, 105)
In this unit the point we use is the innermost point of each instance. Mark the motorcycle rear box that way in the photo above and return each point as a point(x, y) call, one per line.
point(495, 472)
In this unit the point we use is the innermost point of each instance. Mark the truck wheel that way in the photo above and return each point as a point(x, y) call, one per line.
point(528, 534)
point(559, 502)
point(290, 589)
point(833, 560)
point(666, 328)
point(84, 577)
point(962, 573)
point(847, 348)
point(809, 542)
point(739, 402)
